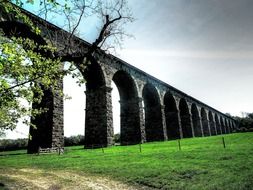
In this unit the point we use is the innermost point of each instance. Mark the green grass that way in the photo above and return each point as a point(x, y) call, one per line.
point(202, 163)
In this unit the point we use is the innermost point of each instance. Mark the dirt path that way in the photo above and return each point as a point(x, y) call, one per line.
point(58, 180)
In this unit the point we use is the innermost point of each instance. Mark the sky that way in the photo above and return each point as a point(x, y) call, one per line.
point(202, 47)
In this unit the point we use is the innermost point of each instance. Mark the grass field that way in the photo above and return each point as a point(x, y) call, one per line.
point(202, 163)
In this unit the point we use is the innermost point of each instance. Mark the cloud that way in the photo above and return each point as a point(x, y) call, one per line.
point(194, 24)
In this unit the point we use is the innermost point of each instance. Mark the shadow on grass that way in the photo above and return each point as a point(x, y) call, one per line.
point(72, 148)
point(3, 187)
point(12, 154)
point(5, 181)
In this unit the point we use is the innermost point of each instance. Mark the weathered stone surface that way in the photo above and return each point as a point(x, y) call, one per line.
point(205, 123)
point(196, 121)
point(98, 120)
point(153, 115)
point(49, 131)
point(212, 124)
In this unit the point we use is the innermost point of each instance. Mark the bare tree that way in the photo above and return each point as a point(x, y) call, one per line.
point(111, 17)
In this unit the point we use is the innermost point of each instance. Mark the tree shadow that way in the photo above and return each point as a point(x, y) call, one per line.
point(11, 154)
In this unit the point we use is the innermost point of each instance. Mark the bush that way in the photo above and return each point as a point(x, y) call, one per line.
point(13, 144)
point(18, 144)
point(250, 130)
point(74, 140)
point(116, 138)
point(243, 129)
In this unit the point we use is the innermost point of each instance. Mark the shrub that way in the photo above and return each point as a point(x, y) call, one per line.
point(13, 144)
point(242, 129)
point(250, 129)
point(74, 140)
point(116, 138)
point(17, 144)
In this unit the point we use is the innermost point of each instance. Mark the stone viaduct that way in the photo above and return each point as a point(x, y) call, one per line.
point(150, 110)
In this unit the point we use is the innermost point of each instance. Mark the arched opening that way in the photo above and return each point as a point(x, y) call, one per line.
point(116, 113)
point(172, 117)
point(227, 125)
point(42, 135)
point(212, 123)
point(185, 119)
point(218, 125)
point(205, 123)
point(98, 120)
point(196, 121)
point(223, 130)
point(153, 115)
point(234, 125)
point(74, 107)
point(94, 77)
point(231, 126)
point(129, 108)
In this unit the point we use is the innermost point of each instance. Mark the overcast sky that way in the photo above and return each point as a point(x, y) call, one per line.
point(202, 47)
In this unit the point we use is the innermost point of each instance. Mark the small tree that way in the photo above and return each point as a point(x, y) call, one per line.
point(245, 123)
point(116, 138)
point(28, 67)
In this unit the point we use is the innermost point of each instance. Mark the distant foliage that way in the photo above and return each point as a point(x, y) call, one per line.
point(245, 124)
point(18, 144)
point(74, 140)
point(116, 138)
point(13, 144)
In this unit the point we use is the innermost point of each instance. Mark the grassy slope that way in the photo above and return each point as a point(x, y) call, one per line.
point(202, 163)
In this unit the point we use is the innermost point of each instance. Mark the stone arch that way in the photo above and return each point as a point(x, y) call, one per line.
point(223, 129)
point(218, 125)
point(98, 112)
point(212, 123)
point(196, 121)
point(126, 85)
point(185, 116)
point(205, 123)
point(231, 126)
point(234, 125)
point(227, 125)
point(94, 77)
point(129, 108)
point(171, 116)
point(74, 109)
point(153, 115)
